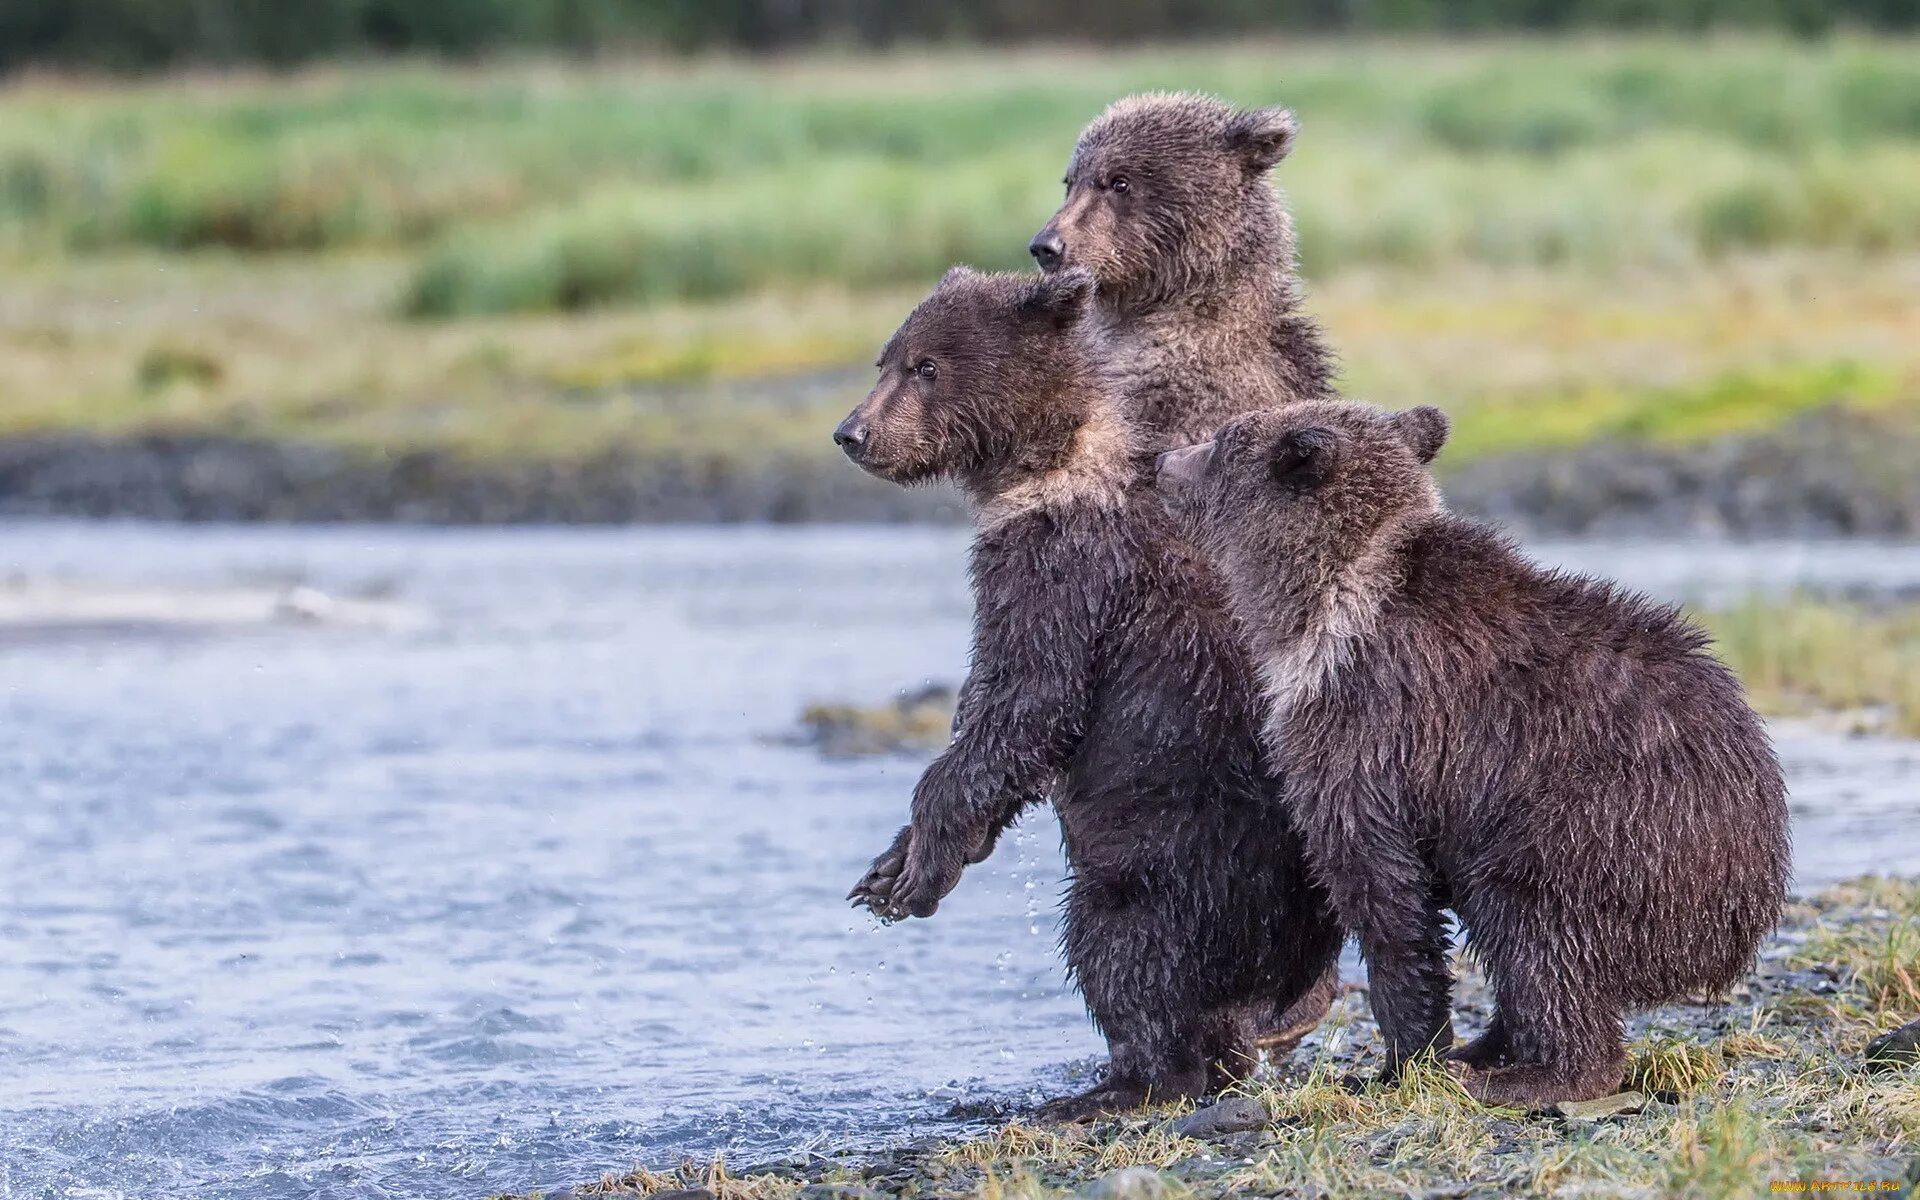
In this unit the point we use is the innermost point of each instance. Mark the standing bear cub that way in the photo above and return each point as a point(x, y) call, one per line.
point(1106, 673)
point(1559, 761)
point(1197, 315)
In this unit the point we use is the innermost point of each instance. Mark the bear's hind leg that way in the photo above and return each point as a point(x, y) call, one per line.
point(1134, 965)
point(1560, 1045)
point(1154, 1066)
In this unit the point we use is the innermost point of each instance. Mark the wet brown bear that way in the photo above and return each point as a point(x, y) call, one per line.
point(1197, 317)
point(1559, 761)
point(1105, 671)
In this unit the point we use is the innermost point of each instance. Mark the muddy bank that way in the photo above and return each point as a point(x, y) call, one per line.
point(1830, 474)
point(209, 478)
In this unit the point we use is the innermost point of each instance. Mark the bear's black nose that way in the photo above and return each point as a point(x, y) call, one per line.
point(1048, 248)
point(851, 435)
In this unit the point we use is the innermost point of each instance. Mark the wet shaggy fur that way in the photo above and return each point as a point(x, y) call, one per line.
point(1559, 761)
point(1106, 673)
point(1198, 310)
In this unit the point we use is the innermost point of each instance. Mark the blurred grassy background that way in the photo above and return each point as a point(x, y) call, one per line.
point(1665, 238)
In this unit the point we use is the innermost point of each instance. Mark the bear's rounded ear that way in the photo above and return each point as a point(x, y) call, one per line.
point(955, 274)
point(1261, 136)
point(1304, 459)
point(1060, 297)
point(1424, 429)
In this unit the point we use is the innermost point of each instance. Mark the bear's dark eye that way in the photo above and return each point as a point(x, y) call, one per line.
point(1120, 185)
point(926, 370)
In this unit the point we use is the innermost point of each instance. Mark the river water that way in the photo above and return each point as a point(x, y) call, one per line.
point(471, 861)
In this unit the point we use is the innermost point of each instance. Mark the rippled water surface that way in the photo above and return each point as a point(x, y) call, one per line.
point(472, 862)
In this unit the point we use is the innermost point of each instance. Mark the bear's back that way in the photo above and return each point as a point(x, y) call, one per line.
point(1467, 585)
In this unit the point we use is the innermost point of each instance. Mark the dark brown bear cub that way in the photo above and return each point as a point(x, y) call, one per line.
point(1559, 761)
point(1105, 671)
point(1197, 315)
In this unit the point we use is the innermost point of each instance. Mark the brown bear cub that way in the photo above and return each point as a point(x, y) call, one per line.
point(1559, 761)
point(1197, 315)
point(1105, 672)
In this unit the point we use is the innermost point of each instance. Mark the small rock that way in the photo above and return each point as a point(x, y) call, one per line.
point(1621, 1104)
point(1896, 1047)
point(839, 1191)
point(1128, 1183)
point(917, 722)
point(925, 1144)
point(798, 1165)
point(681, 1194)
point(1240, 1145)
point(1235, 1114)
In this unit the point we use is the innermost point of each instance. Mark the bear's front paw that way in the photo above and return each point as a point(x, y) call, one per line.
point(923, 883)
point(875, 889)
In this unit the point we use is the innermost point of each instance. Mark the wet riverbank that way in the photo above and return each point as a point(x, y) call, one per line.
point(1830, 474)
point(1794, 1078)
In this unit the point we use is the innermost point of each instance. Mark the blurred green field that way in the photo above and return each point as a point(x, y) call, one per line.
point(539, 188)
point(1640, 238)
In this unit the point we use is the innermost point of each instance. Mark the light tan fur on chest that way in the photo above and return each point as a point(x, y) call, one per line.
point(1096, 471)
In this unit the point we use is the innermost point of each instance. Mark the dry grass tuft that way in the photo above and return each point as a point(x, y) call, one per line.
point(1133, 1142)
point(1663, 1064)
point(1866, 937)
point(711, 1175)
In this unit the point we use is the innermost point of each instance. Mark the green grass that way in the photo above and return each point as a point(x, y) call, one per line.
point(858, 224)
point(537, 188)
point(1808, 655)
point(1738, 401)
point(1664, 199)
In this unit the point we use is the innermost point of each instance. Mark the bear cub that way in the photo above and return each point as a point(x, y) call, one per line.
point(1559, 761)
point(1197, 313)
point(1105, 673)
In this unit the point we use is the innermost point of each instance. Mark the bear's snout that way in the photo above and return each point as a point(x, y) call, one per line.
point(1177, 469)
point(851, 435)
point(1048, 248)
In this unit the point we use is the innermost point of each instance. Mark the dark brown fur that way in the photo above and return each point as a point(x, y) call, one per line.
point(1105, 672)
point(1559, 761)
point(1198, 310)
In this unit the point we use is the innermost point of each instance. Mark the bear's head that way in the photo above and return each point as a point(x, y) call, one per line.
point(1168, 192)
point(982, 380)
point(1308, 484)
